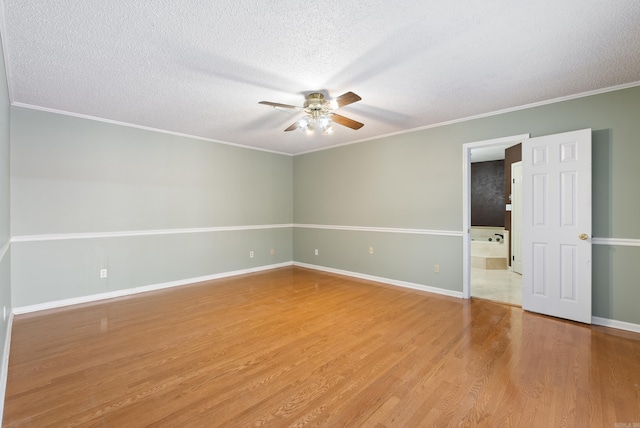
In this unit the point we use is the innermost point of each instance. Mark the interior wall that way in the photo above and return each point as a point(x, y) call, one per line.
point(73, 178)
point(5, 232)
point(487, 193)
point(414, 181)
point(401, 182)
point(151, 208)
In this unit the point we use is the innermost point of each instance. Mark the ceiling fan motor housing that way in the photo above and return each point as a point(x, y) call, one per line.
point(315, 104)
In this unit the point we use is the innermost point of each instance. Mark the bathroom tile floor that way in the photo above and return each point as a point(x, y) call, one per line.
point(497, 285)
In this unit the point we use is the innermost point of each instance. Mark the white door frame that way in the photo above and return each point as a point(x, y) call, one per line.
point(516, 223)
point(466, 202)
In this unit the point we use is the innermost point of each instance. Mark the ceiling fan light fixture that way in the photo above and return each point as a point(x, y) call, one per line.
point(324, 122)
point(310, 123)
point(304, 122)
point(309, 130)
point(309, 126)
point(319, 114)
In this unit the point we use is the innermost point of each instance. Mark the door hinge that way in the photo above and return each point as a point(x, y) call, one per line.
point(513, 258)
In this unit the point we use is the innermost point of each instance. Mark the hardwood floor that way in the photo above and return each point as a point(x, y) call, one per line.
point(296, 347)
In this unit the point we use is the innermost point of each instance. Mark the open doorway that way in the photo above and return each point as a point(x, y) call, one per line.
point(489, 234)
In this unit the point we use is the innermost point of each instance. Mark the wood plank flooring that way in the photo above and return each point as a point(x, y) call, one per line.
point(296, 347)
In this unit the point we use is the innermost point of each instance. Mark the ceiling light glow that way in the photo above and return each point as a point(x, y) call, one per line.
point(318, 121)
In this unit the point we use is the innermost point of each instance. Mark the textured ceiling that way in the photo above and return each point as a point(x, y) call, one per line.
point(200, 67)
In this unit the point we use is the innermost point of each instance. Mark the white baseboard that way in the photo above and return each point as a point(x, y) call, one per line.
point(129, 291)
point(620, 325)
point(604, 322)
point(405, 284)
point(4, 370)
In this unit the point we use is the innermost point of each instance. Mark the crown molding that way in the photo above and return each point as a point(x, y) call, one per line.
point(483, 115)
point(145, 128)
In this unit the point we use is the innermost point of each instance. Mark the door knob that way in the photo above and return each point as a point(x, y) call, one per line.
point(583, 236)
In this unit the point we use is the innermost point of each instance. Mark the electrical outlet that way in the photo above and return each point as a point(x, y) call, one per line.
point(103, 273)
point(251, 254)
point(436, 268)
point(316, 251)
point(370, 250)
point(273, 251)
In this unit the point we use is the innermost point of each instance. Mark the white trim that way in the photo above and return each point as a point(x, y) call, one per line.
point(145, 128)
point(143, 289)
point(131, 233)
point(3, 36)
point(466, 201)
point(4, 250)
point(489, 114)
point(513, 139)
point(406, 131)
point(4, 371)
point(97, 235)
point(605, 322)
point(94, 235)
point(404, 284)
point(620, 325)
point(381, 229)
point(616, 241)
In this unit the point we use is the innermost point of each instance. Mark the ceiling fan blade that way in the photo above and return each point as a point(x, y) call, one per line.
point(278, 105)
point(293, 126)
point(346, 99)
point(345, 121)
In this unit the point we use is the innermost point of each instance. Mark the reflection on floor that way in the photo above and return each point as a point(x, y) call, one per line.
point(498, 285)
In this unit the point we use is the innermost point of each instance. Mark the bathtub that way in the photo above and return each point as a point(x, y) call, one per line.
point(487, 254)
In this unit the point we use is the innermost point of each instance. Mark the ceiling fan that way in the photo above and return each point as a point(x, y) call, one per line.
point(319, 113)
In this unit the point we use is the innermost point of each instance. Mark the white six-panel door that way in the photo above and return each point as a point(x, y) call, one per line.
point(556, 249)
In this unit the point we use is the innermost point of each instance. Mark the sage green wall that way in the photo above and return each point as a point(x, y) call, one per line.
point(72, 175)
point(402, 257)
point(5, 231)
point(407, 181)
point(49, 271)
point(414, 181)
